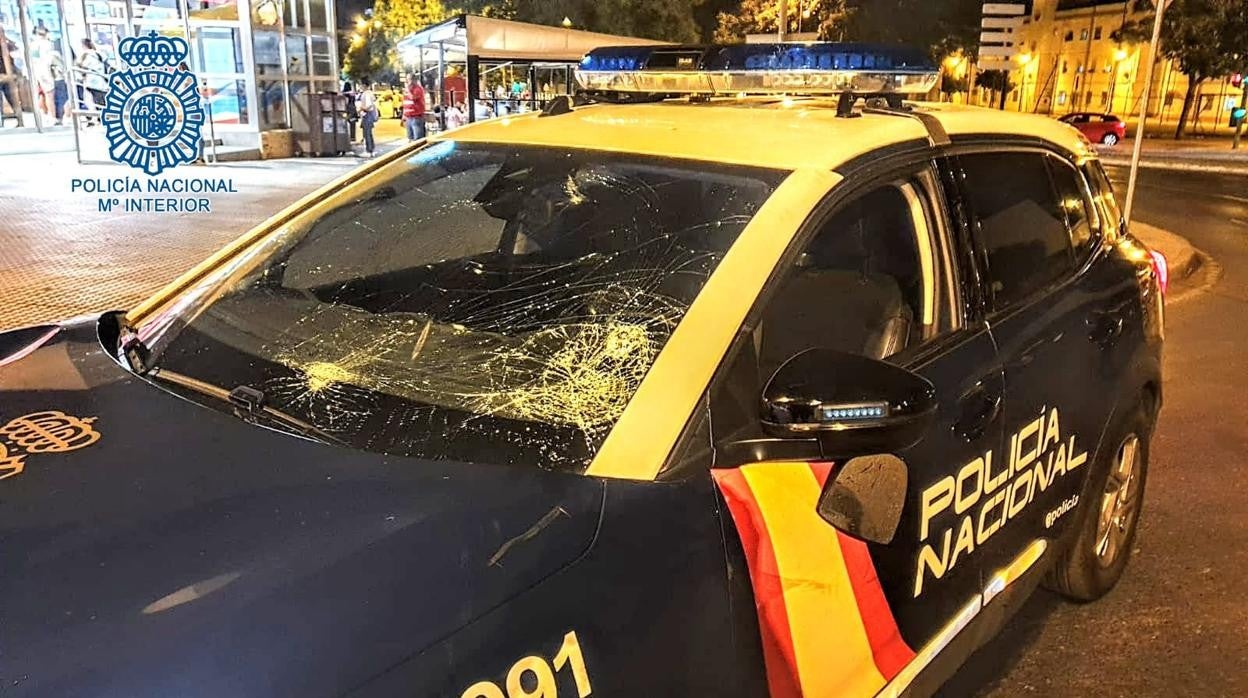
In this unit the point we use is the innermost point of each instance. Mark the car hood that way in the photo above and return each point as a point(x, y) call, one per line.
point(151, 546)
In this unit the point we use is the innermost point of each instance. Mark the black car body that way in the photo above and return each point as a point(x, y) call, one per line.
point(293, 475)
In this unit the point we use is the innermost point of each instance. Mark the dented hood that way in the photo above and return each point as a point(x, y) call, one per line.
point(151, 546)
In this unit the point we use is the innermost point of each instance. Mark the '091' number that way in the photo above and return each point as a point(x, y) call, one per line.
point(537, 672)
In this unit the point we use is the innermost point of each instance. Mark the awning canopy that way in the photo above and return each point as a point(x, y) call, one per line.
point(501, 39)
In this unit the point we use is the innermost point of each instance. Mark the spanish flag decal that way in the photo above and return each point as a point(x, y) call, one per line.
point(826, 627)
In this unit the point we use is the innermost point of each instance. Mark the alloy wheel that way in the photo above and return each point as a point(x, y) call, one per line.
point(1120, 502)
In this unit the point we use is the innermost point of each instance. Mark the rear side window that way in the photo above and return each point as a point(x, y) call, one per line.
point(1022, 223)
point(1107, 205)
point(1080, 215)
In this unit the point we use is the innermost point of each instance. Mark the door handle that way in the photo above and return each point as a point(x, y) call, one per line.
point(977, 409)
point(1104, 328)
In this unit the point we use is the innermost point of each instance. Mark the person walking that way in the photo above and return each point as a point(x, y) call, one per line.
point(93, 70)
point(352, 112)
point(366, 103)
point(414, 108)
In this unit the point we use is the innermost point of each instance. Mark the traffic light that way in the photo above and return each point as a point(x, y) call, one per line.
point(1237, 116)
point(1237, 79)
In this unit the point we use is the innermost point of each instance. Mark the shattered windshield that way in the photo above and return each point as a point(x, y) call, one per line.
point(478, 303)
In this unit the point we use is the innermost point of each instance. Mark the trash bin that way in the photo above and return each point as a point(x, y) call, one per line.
point(320, 124)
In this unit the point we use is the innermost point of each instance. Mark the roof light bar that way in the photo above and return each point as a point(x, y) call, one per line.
point(815, 68)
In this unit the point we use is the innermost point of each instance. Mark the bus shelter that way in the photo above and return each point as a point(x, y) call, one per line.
point(495, 67)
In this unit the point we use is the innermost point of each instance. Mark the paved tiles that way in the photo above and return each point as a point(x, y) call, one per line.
point(60, 256)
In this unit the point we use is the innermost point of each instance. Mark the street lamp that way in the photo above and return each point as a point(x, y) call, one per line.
point(1024, 60)
point(567, 22)
point(1119, 56)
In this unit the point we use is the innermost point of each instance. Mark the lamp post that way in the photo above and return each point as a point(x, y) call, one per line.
point(1153, 47)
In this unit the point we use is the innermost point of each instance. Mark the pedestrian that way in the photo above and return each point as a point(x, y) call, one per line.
point(353, 114)
point(455, 116)
point(414, 108)
point(47, 69)
point(366, 104)
point(8, 76)
point(94, 71)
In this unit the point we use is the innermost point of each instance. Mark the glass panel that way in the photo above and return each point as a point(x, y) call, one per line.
point(102, 9)
point(156, 9)
point(294, 14)
point(218, 49)
point(272, 95)
point(1023, 224)
point(318, 16)
point(322, 63)
point(227, 100)
point(296, 54)
point(213, 9)
point(265, 13)
point(268, 53)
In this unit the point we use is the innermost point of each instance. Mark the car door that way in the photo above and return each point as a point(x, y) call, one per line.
point(879, 272)
point(1056, 316)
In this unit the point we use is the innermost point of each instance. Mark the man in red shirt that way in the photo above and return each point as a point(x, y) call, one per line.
point(414, 108)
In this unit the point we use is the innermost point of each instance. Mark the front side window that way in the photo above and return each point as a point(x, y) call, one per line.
point(874, 280)
point(478, 303)
point(1022, 225)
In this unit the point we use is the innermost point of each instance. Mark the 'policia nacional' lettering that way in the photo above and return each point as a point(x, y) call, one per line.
point(154, 185)
point(988, 499)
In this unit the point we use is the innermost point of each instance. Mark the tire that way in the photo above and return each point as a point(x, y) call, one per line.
point(1110, 139)
point(1097, 557)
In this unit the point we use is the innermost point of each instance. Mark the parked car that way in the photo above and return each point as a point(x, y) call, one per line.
point(1099, 128)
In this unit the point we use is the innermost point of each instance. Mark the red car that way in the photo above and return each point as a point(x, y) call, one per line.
point(1099, 128)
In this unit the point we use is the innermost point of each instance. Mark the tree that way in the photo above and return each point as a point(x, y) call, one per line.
point(997, 81)
point(826, 17)
point(941, 27)
point(1201, 36)
point(666, 20)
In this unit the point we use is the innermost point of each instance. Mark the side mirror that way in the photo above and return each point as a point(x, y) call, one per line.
point(866, 497)
point(851, 404)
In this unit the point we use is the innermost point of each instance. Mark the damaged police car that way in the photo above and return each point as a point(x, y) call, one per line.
point(723, 383)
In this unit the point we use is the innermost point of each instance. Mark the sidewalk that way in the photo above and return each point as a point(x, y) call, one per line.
point(1204, 154)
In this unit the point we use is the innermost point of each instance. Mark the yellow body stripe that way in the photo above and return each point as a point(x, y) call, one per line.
point(830, 643)
point(647, 430)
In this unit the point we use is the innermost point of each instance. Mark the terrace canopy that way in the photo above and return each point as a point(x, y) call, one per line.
point(499, 66)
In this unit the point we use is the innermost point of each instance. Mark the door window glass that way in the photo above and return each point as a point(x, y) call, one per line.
point(1080, 217)
point(1107, 205)
point(1021, 221)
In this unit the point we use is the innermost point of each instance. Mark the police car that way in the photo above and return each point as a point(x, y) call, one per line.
point(741, 377)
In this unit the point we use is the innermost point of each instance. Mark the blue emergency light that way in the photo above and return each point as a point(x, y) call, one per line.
point(771, 68)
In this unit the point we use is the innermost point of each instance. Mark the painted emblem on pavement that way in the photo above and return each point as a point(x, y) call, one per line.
point(50, 431)
point(153, 114)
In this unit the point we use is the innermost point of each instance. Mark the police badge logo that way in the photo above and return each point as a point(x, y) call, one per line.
point(153, 115)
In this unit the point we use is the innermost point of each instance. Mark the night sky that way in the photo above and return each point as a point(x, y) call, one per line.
point(347, 9)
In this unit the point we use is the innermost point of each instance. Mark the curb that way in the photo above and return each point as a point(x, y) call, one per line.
point(1181, 257)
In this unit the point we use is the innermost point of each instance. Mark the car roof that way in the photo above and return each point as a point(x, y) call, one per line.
point(768, 132)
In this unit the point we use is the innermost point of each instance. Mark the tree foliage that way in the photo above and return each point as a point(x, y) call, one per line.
point(942, 27)
point(826, 17)
point(1203, 37)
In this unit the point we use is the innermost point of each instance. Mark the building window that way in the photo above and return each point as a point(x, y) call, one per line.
point(1096, 33)
point(272, 103)
point(1083, 34)
point(1061, 97)
point(322, 63)
point(1104, 98)
point(296, 54)
point(1079, 69)
point(1070, 36)
point(219, 49)
point(1063, 66)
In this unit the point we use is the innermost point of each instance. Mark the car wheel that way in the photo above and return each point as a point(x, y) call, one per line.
point(1095, 561)
point(1110, 139)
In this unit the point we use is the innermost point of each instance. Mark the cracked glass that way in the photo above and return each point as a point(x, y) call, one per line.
point(476, 302)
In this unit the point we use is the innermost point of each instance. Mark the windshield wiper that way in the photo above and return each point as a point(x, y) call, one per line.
point(249, 406)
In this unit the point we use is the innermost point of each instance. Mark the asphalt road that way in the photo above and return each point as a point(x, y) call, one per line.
point(1177, 624)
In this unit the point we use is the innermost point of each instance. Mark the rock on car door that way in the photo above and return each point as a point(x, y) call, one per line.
point(838, 616)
